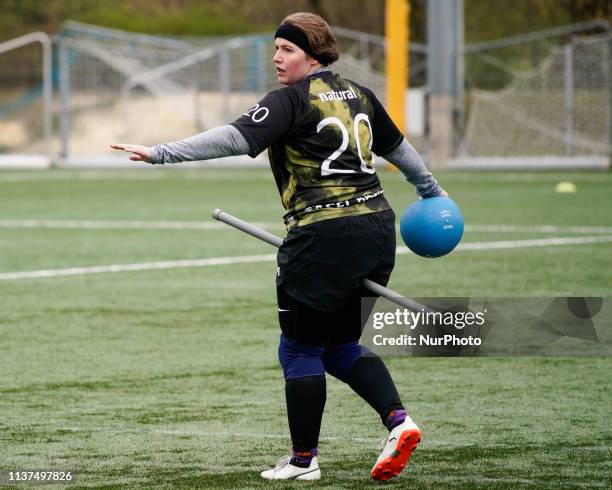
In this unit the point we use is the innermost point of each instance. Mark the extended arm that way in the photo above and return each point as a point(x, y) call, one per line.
point(224, 141)
point(250, 134)
point(410, 163)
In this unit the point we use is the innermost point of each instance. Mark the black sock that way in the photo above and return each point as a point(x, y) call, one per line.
point(305, 403)
point(370, 379)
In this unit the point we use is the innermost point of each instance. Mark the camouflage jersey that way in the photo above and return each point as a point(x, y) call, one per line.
point(320, 134)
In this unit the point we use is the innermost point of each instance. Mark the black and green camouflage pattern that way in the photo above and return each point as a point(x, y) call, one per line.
point(297, 160)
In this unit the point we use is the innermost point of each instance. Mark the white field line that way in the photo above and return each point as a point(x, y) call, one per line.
point(226, 435)
point(215, 225)
point(538, 242)
point(62, 176)
point(538, 229)
point(198, 433)
point(124, 225)
point(143, 266)
point(173, 264)
point(528, 243)
point(151, 173)
point(184, 174)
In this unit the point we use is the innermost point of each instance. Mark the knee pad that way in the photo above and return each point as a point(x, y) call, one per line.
point(298, 360)
point(339, 359)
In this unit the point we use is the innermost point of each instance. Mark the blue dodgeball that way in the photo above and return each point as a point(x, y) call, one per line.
point(432, 227)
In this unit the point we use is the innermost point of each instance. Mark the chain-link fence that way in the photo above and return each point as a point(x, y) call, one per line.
point(26, 95)
point(112, 85)
point(541, 99)
point(560, 108)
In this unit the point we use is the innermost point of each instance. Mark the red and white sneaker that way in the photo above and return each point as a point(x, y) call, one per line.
point(396, 450)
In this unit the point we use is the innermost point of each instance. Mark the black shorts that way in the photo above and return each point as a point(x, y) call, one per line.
point(320, 272)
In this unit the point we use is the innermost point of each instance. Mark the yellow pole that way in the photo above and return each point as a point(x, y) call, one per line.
point(407, 58)
point(396, 58)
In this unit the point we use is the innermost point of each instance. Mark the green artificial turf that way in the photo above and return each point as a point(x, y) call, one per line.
point(170, 379)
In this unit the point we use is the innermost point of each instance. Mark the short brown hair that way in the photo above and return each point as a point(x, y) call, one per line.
point(320, 36)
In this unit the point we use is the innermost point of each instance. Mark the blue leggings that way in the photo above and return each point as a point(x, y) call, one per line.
point(298, 360)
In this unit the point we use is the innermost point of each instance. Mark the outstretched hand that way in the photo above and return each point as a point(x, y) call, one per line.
point(140, 153)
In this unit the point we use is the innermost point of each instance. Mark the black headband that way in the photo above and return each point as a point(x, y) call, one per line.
point(298, 37)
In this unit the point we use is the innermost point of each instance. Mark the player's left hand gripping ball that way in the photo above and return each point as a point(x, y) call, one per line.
point(432, 227)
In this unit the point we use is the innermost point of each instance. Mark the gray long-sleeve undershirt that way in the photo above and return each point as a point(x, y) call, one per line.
point(410, 163)
point(226, 141)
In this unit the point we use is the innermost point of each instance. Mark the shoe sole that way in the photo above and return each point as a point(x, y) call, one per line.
point(308, 476)
point(396, 462)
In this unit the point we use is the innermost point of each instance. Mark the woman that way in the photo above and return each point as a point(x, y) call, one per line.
point(320, 131)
